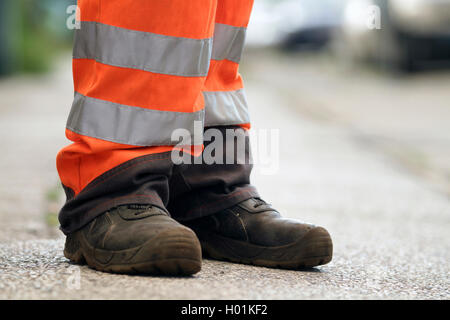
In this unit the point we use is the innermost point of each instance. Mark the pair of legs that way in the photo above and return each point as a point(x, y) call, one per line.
point(142, 71)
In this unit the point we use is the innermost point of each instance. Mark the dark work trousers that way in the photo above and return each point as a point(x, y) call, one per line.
point(186, 191)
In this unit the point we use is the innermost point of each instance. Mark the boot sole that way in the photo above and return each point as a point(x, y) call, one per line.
point(176, 253)
point(314, 249)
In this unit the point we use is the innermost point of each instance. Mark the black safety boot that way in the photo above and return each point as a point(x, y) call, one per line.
point(136, 239)
point(252, 232)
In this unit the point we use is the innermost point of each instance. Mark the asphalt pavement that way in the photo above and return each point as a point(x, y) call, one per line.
point(389, 222)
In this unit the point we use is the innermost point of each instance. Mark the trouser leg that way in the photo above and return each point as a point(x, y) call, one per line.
point(219, 179)
point(139, 68)
point(202, 188)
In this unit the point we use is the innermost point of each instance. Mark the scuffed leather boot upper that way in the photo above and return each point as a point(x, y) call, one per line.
point(136, 239)
point(253, 221)
point(127, 227)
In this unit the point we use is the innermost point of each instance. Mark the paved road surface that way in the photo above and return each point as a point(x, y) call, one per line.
point(390, 225)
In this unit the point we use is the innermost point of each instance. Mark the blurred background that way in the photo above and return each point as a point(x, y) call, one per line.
point(31, 33)
point(380, 67)
point(360, 91)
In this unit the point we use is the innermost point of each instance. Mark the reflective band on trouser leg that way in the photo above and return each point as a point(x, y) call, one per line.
point(228, 42)
point(203, 188)
point(128, 125)
point(139, 69)
point(151, 52)
point(225, 107)
point(225, 101)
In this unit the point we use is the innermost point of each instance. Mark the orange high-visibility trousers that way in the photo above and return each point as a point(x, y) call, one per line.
point(142, 69)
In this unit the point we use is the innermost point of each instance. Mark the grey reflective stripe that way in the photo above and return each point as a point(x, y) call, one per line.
point(142, 50)
point(225, 107)
point(128, 125)
point(228, 42)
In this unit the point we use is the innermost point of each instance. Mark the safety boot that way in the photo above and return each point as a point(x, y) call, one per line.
point(252, 232)
point(136, 239)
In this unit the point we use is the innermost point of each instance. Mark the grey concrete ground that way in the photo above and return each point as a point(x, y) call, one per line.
point(348, 144)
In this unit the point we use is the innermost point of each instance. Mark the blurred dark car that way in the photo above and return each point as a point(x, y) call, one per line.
point(309, 24)
point(294, 24)
point(412, 34)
